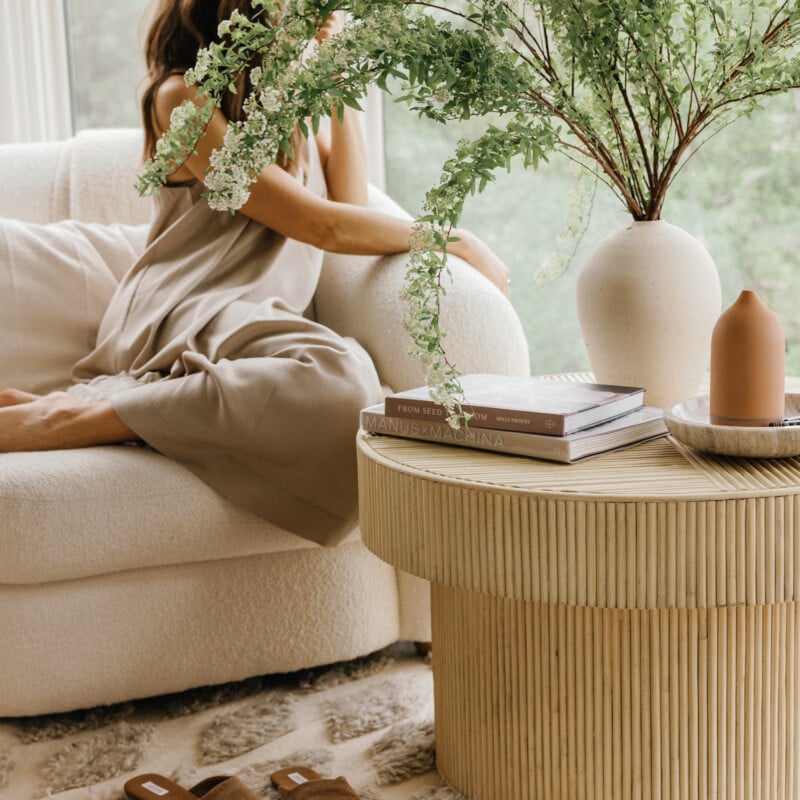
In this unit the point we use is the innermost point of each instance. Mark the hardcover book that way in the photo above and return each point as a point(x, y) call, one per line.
point(526, 404)
point(631, 428)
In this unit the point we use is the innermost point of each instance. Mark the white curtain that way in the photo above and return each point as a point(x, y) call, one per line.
point(34, 65)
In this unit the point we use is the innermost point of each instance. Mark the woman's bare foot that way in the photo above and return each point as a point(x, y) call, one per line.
point(57, 421)
point(15, 397)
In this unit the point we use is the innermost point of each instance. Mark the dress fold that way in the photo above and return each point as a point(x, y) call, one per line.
point(221, 368)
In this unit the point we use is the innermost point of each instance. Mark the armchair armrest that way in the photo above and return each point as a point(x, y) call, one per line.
point(359, 296)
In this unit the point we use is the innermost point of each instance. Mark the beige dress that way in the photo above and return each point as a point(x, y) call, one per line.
point(224, 371)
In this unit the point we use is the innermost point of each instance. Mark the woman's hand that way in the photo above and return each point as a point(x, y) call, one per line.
point(478, 255)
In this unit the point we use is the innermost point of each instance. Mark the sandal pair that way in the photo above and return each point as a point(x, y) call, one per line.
point(294, 783)
point(151, 786)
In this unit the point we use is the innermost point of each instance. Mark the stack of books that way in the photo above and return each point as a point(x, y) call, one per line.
point(536, 417)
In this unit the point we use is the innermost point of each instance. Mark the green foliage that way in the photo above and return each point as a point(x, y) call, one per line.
point(106, 63)
point(741, 199)
point(626, 88)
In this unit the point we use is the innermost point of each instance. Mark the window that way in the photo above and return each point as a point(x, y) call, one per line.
point(106, 62)
point(740, 195)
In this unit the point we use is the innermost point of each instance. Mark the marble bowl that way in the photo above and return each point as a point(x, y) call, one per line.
point(688, 422)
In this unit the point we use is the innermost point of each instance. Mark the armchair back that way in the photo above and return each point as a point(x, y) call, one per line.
point(91, 178)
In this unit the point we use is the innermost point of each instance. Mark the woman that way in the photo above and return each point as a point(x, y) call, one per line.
point(207, 351)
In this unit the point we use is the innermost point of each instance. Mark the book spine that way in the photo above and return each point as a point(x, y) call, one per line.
point(482, 416)
point(554, 449)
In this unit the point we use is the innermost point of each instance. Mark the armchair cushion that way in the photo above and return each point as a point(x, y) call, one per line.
point(70, 514)
point(111, 545)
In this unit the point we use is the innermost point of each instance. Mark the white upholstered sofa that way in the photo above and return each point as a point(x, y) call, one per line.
point(121, 574)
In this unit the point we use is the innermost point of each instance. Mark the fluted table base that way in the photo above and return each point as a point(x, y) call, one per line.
point(565, 702)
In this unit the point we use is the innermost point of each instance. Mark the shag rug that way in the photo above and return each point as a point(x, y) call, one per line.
point(370, 720)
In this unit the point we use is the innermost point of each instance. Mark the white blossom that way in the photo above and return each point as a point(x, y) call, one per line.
point(201, 67)
point(443, 95)
point(228, 184)
point(271, 100)
point(421, 237)
point(182, 115)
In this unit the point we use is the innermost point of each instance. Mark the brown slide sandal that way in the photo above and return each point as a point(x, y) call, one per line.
point(151, 786)
point(302, 783)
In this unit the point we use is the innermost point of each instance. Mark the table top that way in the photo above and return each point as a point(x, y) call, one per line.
point(654, 526)
point(659, 469)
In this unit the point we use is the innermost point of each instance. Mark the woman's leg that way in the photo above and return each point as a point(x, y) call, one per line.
point(270, 422)
point(57, 421)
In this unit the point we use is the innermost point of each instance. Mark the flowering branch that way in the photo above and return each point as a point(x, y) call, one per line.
point(628, 89)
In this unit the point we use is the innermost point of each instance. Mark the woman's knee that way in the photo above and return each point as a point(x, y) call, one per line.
point(358, 392)
point(356, 386)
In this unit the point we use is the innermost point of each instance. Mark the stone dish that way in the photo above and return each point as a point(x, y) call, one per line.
point(688, 422)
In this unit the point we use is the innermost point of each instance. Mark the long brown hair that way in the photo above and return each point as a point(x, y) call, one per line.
point(178, 29)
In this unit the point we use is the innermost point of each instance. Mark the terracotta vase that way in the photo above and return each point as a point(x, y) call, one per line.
point(747, 365)
point(648, 298)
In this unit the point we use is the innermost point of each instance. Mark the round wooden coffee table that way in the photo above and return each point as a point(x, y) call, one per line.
point(625, 627)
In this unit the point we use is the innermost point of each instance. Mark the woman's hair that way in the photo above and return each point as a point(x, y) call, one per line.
point(178, 29)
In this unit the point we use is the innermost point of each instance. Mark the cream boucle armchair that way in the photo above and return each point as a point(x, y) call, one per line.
point(121, 574)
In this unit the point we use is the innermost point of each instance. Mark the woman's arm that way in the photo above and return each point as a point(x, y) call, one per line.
point(343, 154)
point(342, 149)
point(280, 202)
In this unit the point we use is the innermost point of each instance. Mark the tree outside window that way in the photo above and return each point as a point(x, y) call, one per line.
point(106, 61)
point(740, 195)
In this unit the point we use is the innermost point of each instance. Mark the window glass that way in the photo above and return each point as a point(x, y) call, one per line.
point(106, 61)
point(740, 195)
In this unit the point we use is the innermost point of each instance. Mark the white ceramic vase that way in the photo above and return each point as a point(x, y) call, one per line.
point(648, 299)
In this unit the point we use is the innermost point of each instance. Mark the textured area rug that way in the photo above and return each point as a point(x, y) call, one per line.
point(370, 720)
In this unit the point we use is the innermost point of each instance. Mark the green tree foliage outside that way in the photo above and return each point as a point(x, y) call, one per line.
point(107, 62)
point(740, 196)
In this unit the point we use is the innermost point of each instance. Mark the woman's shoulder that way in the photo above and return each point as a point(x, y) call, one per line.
point(170, 93)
